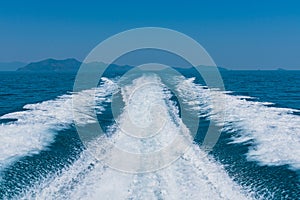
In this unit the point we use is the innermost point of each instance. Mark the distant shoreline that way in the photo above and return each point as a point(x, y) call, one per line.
point(72, 65)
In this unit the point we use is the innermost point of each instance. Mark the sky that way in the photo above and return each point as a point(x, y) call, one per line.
point(238, 34)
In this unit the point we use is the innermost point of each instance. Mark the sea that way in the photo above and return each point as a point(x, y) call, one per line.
point(256, 154)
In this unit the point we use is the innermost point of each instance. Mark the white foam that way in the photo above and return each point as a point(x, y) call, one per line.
point(35, 127)
point(273, 132)
point(193, 175)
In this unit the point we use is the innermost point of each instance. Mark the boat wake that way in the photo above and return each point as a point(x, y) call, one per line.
point(274, 133)
point(154, 168)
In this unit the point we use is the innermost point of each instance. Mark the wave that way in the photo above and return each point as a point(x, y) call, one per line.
point(148, 108)
point(273, 132)
point(36, 126)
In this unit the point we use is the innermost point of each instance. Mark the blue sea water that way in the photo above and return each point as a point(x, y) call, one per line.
point(258, 149)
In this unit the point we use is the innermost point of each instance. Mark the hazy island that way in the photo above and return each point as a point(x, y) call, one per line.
point(52, 65)
point(72, 65)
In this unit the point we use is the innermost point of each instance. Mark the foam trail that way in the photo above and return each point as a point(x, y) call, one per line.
point(273, 132)
point(36, 126)
point(194, 175)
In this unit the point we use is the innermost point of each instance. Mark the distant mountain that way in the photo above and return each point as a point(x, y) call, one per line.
point(52, 65)
point(11, 66)
point(281, 69)
point(222, 69)
point(72, 65)
point(208, 68)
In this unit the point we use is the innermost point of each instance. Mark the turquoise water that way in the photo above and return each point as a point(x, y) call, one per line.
point(257, 149)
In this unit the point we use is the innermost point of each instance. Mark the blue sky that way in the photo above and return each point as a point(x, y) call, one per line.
point(237, 34)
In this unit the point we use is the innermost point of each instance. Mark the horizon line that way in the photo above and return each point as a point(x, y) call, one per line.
point(232, 68)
